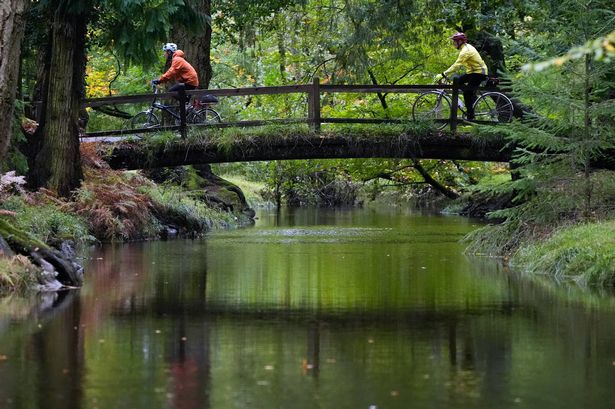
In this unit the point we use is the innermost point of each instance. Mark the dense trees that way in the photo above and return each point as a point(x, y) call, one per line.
point(11, 33)
point(241, 43)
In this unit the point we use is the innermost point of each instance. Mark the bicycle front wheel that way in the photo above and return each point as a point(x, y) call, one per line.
point(493, 107)
point(206, 116)
point(144, 120)
point(432, 106)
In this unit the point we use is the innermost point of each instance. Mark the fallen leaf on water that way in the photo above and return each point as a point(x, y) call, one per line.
point(305, 366)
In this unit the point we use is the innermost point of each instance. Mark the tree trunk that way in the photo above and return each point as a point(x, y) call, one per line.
point(58, 164)
point(451, 194)
point(11, 34)
point(196, 44)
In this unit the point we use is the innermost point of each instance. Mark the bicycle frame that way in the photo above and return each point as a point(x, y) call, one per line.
point(157, 105)
point(443, 92)
point(494, 107)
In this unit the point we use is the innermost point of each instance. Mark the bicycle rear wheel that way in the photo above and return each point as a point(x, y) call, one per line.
point(144, 120)
point(206, 116)
point(434, 106)
point(493, 107)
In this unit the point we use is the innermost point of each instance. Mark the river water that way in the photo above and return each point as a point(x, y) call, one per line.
point(310, 308)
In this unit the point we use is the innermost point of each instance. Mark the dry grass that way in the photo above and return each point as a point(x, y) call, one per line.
point(17, 273)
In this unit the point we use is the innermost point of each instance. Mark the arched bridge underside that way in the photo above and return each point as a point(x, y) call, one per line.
point(143, 154)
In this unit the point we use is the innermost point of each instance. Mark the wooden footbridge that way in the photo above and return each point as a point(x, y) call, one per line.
point(316, 142)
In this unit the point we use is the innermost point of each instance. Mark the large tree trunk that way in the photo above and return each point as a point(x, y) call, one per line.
point(11, 33)
point(197, 45)
point(58, 164)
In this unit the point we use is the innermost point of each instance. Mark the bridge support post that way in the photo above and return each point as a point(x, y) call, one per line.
point(314, 105)
point(181, 95)
point(454, 108)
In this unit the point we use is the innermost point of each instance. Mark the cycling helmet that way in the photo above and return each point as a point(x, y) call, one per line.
point(169, 47)
point(459, 37)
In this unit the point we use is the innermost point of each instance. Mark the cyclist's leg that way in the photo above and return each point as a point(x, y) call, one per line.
point(469, 96)
point(180, 85)
point(176, 87)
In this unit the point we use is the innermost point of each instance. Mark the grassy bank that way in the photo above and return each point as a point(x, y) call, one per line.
point(109, 206)
point(584, 253)
point(252, 190)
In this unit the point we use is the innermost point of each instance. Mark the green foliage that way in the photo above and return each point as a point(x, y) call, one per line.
point(137, 29)
point(47, 221)
point(253, 188)
point(310, 182)
point(556, 147)
point(585, 253)
point(184, 209)
point(17, 274)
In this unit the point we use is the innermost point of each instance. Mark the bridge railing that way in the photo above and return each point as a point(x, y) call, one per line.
point(314, 110)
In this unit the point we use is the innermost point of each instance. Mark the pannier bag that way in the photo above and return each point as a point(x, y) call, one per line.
point(209, 99)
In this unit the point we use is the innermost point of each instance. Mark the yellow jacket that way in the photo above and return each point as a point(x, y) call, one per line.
point(470, 59)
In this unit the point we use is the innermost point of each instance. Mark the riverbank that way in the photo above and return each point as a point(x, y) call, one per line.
point(584, 254)
point(110, 206)
point(580, 252)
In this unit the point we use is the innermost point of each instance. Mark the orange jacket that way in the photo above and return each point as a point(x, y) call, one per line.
point(180, 71)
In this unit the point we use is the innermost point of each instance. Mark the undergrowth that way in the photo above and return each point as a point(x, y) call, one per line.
point(585, 253)
point(178, 207)
point(113, 207)
point(17, 273)
point(46, 218)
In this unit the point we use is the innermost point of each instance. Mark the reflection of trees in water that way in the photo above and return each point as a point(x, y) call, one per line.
point(59, 351)
point(188, 357)
point(44, 361)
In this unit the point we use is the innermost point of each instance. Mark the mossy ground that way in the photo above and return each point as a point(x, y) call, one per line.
point(584, 253)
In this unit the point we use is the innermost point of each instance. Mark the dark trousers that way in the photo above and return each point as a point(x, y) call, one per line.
point(179, 85)
point(469, 97)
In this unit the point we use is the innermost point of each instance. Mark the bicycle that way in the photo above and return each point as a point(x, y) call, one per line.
point(490, 106)
point(198, 111)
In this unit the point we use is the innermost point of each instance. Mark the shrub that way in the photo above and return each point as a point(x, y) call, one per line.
point(585, 253)
point(47, 218)
point(113, 206)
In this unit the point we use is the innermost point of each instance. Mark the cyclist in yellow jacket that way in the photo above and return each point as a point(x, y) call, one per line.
point(475, 70)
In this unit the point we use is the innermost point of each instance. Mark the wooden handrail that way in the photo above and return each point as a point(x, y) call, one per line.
point(312, 91)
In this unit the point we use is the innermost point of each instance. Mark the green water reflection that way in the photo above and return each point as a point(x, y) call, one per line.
point(309, 309)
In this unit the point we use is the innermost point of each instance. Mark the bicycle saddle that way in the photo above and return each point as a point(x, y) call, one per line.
point(208, 98)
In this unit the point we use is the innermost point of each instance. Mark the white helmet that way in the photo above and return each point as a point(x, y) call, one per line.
point(169, 47)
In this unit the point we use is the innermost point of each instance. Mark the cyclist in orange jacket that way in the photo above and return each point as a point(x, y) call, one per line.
point(180, 70)
point(475, 70)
